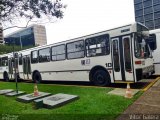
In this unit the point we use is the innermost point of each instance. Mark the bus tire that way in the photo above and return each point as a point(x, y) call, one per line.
point(5, 76)
point(37, 77)
point(101, 78)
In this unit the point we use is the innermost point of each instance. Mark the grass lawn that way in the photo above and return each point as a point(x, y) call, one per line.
point(94, 103)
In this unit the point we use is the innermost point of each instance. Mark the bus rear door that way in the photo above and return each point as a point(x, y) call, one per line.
point(26, 67)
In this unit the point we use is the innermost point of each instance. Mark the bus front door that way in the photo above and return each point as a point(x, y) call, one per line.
point(122, 59)
point(26, 68)
point(13, 67)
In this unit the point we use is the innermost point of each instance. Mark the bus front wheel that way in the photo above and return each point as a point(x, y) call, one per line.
point(101, 78)
point(37, 77)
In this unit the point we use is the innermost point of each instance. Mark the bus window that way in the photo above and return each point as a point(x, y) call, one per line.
point(75, 49)
point(44, 55)
point(127, 54)
point(151, 41)
point(116, 56)
point(4, 61)
point(34, 56)
point(97, 46)
point(10, 67)
point(16, 63)
point(141, 47)
point(0, 62)
point(58, 53)
point(24, 65)
point(137, 47)
point(147, 52)
point(20, 59)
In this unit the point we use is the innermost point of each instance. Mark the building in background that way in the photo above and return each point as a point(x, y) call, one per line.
point(31, 36)
point(148, 13)
point(1, 34)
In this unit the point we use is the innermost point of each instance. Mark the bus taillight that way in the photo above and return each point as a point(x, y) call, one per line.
point(138, 62)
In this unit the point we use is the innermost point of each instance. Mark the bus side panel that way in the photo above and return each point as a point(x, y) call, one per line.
point(71, 70)
point(2, 70)
point(1, 75)
point(69, 76)
point(156, 55)
point(20, 72)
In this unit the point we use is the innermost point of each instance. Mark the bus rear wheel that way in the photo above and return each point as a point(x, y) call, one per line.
point(101, 78)
point(37, 77)
point(6, 77)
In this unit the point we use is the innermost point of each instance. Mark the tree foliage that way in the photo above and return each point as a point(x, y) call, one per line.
point(9, 48)
point(13, 9)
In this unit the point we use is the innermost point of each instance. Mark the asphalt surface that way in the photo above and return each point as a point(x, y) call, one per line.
point(146, 107)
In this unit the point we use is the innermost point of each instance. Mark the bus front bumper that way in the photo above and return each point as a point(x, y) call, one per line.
point(144, 72)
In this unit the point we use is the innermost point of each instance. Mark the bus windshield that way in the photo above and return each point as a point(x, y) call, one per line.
point(142, 49)
point(141, 28)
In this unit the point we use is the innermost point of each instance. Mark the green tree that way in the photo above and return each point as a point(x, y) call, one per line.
point(9, 48)
point(10, 10)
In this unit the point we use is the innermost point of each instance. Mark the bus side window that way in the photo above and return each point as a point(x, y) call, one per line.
point(92, 52)
point(127, 53)
point(75, 50)
point(20, 59)
point(4, 61)
point(0, 62)
point(116, 56)
point(97, 46)
point(58, 53)
point(151, 41)
point(44, 55)
point(34, 56)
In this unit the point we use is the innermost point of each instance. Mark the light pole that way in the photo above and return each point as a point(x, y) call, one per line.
point(20, 40)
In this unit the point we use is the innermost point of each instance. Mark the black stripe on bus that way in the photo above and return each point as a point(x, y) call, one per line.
point(69, 70)
point(157, 63)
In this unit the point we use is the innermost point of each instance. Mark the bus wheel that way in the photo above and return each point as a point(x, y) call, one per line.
point(37, 77)
point(101, 78)
point(6, 77)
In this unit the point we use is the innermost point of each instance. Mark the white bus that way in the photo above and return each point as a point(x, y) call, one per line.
point(112, 56)
point(156, 53)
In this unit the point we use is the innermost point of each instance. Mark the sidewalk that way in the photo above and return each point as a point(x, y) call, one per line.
point(146, 107)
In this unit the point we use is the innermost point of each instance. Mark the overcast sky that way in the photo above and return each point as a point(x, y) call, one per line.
point(84, 17)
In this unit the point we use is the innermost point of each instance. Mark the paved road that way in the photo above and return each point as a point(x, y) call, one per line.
point(147, 107)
